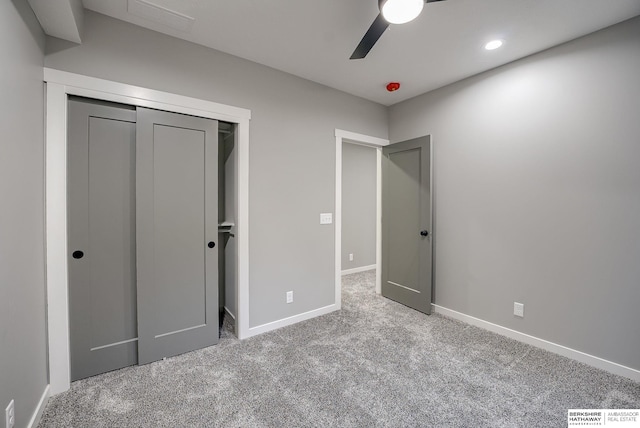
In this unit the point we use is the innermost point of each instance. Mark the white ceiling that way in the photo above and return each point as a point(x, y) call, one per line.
point(314, 39)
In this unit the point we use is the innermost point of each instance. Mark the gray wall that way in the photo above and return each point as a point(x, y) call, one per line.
point(358, 205)
point(537, 187)
point(292, 147)
point(23, 375)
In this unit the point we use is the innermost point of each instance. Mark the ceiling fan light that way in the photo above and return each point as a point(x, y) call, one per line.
point(401, 11)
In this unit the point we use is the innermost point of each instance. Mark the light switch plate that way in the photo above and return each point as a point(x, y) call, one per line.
point(326, 218)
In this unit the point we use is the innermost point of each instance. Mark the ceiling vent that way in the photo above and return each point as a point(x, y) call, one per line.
point(161, 15)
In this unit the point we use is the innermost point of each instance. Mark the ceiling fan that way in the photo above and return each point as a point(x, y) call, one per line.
point(391, 12)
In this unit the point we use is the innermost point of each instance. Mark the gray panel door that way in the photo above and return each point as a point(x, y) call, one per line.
point(101, 215)
point(177, 230)
point(406, 223)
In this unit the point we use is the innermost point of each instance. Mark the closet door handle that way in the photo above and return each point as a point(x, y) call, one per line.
point(424, 233)
point(77, 254)
point(211, 244)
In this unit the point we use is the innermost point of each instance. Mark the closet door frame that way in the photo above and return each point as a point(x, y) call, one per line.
point(59, 85)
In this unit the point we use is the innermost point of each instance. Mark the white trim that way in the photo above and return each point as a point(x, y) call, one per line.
point(242, 230)
point(144, 97)
point(432, 237)
point(580, 356)
point(337, 218)
point(377, 143)
point(254, 331)
point(42, 404)
point(229, 313)
point(56, 238)
point(378, 221)
point(60, 84)
point(354, 137)
point(359, 269)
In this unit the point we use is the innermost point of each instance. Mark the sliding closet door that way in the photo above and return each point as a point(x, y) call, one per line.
point(177, 230)
point(102, 256)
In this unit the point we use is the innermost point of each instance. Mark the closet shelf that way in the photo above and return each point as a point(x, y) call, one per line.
point(225, 227)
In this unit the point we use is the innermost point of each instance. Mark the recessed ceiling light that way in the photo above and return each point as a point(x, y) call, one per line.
point(493, 44)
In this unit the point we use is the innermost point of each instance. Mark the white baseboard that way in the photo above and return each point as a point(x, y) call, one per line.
point(229, 313)
point(591, 360)
point(37, 414)
point(358, 269)
point(253, 331)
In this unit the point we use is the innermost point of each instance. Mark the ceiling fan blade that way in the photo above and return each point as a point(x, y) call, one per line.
point(370, 38)
point(372, 35)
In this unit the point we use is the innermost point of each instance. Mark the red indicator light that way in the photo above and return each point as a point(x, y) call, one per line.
point(393, 86)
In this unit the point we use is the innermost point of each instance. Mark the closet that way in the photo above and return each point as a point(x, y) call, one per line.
point(227, 202)
point(148, 229)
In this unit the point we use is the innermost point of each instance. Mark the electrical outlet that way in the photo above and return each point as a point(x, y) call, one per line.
point(10, 415)
point(518, 309)
point(351, 257)
point(289, 296)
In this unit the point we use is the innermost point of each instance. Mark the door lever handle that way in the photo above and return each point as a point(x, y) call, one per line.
point(424, 232)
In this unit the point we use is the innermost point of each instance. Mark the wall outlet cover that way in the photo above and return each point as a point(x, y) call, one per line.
point(518, 309)
point(289, 296)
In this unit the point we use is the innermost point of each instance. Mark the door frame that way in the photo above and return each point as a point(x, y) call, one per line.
point(61, 84)
point(347, 137)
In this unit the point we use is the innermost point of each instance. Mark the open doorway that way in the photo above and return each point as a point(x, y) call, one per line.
point(359, 182)
point(359, 148)
point(409, 170)
point(359, 193)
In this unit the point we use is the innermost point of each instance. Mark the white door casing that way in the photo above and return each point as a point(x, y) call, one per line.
point(59, 85)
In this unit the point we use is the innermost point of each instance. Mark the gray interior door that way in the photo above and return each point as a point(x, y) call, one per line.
point(177, 230)
point(102, 256)
point(406, 223)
